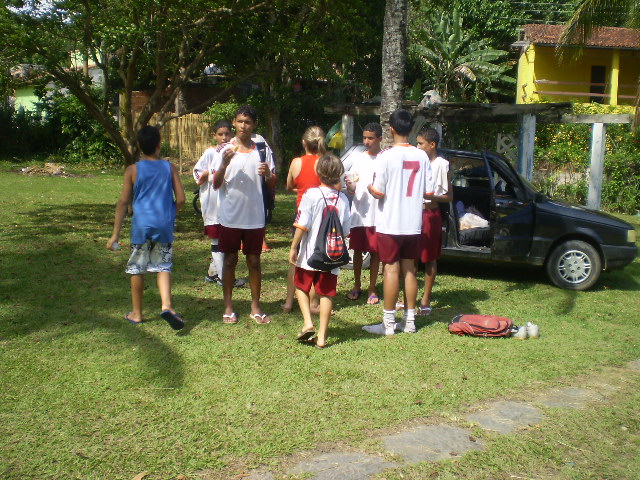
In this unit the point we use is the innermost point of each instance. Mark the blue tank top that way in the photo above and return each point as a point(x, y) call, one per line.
point(154, 209)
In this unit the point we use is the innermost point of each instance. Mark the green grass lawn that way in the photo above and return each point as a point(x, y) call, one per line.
point(85, 394)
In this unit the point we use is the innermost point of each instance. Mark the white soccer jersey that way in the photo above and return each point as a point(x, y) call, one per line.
point(309, 218)
point(439, 172)
point(364, 205)
point(403, 176)
point(208, 195)
point(240, 203)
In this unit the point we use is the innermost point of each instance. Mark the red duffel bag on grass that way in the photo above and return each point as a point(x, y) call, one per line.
point(481, 325)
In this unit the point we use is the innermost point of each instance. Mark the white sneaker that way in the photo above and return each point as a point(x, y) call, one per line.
point(533, 330)
point(521, 333)
point(405, 326)
point(379, 329)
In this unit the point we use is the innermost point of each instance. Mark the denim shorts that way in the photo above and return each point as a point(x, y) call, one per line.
point(151, 257)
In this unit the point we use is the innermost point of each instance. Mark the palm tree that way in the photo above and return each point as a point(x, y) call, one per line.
point(459, 66)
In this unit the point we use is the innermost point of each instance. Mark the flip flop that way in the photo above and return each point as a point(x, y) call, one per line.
point(260, 318)
point(306, 335)
point(399, 305)
point(354, 294)
point(130, 320)
point(230, 319)
point(173, 319)
point(286, 309)
point(424, 310)
point(373, 299)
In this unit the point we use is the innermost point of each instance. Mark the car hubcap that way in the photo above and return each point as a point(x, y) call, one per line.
point(574, 266)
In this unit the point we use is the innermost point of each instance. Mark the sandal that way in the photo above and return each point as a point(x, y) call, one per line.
point(306, 335)
point(173, 319)
point(399, 305)
point(424, 310)
point(373, 299)
point(260, 318)
point(231, 318)
point(354, 294)
point(131, 320)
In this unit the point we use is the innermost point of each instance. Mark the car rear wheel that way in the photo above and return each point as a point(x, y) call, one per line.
point(574, 265)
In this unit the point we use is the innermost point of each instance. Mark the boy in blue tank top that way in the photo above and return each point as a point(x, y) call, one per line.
point(151, 184)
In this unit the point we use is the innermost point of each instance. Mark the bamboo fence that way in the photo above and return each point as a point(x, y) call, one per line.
point(187, 137)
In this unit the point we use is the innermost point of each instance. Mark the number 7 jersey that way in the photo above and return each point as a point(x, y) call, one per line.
point(403, 176)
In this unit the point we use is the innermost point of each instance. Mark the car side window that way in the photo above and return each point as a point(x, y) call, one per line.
point(468, 172)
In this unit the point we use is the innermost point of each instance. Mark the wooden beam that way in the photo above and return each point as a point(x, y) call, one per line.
point(597, 118)
point(353, 109)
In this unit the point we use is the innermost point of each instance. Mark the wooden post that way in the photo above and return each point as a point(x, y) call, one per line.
point(596, 170)
point(526, 144)
point(347, 131)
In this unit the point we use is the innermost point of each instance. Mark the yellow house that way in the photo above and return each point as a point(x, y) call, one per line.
point(607, 71)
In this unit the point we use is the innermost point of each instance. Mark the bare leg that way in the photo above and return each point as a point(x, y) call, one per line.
point(228, 279)
point(291, 290)
point(391, 285)
point(137, 289)
point(357, 271)
point(164, 287)
point(303, 302)
point(374, 266)
point(315, 301)
point(326, 303)
point(255, 281)
point(430, 272)
point(410, 283)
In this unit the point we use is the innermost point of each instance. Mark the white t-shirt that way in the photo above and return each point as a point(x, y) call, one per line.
point(240, 203)
point(403, 176)
point(208, 195)
point(439, 172)
point(309, 218)
point(363, 205)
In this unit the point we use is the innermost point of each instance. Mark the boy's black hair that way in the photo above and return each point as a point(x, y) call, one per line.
point(374, 127)
point(247, 110)
point(224, 123)
point(402, 122)
point(430, 135)
point(148, 139)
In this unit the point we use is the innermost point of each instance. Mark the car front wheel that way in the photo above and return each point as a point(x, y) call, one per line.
point(574, 265)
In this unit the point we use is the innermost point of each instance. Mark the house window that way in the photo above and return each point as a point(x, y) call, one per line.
point(598, 80)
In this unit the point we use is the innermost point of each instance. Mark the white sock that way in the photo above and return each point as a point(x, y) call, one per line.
point(217, 258)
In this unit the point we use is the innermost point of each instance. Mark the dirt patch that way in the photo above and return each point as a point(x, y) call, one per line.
point(49, 170)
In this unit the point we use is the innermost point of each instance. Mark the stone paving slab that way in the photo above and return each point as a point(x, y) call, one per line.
point(345, 466)
point(635, 365)
point(506, 416)
point(431, 443)
point(570, 397)
point(260, 476)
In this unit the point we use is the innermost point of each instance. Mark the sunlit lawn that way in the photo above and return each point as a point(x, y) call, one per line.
point(87, 395)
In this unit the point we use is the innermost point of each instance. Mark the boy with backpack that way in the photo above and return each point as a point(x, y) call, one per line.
point(402, 180)
point(322, 250)
point(151, 184)
point(203, 175)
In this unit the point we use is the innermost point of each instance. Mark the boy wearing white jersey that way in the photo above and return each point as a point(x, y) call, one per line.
point(203, 175)
point(402, 180)
point(363, 210)
point(241, 211)
point(431, 241)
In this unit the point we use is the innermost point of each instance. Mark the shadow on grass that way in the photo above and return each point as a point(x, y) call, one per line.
point(59, 280)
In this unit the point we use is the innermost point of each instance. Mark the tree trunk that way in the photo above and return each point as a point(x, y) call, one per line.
point(274, 131)
point(394, 43)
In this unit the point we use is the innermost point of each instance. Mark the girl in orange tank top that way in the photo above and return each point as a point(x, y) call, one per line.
point(302, 176)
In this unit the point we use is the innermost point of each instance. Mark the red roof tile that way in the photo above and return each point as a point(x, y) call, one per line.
point(606, 37)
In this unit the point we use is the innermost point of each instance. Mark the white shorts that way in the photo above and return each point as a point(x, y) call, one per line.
point(150, 257)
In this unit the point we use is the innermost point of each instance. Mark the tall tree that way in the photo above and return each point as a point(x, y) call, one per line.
point(394, 43)
point(134, 43)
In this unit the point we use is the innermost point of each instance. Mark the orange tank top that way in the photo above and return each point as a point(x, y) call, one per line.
point(307, 178)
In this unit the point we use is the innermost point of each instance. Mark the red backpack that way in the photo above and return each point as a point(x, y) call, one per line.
point(481, 325)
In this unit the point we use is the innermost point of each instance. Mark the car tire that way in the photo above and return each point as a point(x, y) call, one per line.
point(574, 265)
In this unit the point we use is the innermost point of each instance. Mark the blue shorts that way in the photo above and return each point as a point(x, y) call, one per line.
point(150, 257)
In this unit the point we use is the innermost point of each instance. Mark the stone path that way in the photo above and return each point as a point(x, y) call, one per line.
point(431, 443)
